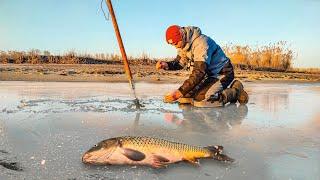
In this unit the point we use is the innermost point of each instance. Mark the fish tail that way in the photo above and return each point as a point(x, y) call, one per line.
point(216, 153)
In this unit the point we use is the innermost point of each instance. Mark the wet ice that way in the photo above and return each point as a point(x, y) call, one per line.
point(275, 136)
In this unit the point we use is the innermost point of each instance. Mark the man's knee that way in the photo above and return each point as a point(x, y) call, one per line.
point(199, 97)
point(215, 88)
point(206, 93)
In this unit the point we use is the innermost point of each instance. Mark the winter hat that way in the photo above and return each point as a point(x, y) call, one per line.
point(173, 34)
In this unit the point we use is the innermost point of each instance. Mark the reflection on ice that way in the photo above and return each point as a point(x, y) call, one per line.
point(208, 120)
point(184, 117)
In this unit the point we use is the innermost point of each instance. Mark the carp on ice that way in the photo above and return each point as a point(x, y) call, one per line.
point(150, 151)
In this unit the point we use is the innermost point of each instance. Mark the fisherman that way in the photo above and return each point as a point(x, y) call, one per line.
point(212, 71)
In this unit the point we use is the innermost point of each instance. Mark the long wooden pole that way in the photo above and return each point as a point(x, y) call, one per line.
point(123, 51)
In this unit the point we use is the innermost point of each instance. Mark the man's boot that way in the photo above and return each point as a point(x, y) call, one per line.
point(242, 95)
point(229, 95)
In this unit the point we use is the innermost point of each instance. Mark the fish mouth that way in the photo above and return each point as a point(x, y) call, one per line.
point(88, 158)
point(98, 157)
point(94, 162)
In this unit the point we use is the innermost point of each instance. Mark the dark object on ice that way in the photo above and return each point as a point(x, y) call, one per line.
point(3, 151)
point(10, 165)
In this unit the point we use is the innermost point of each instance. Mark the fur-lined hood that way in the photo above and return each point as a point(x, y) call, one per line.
point(189, 34)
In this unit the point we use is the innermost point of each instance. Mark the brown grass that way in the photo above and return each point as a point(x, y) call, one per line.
point(35, 56)
point(274, 57)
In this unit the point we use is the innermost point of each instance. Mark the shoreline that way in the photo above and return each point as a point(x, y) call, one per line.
point(140, 73)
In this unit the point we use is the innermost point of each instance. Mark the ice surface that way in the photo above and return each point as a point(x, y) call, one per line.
point(46, 127)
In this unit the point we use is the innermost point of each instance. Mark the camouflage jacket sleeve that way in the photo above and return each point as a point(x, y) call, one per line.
point(201, 55)
point(198, 73)
point(175, 64)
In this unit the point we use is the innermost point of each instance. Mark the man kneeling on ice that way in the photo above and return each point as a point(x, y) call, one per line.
point(212, 71)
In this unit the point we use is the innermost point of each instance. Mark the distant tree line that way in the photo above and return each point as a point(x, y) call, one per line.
point(35, 56)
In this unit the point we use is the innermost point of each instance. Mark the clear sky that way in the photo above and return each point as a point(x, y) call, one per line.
point(63, 25)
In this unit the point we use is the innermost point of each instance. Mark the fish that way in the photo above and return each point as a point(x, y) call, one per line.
point(149, 151)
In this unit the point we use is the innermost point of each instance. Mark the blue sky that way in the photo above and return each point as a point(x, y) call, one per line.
point(60, 26)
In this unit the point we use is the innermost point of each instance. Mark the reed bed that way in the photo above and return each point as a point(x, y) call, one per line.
point(273, 57)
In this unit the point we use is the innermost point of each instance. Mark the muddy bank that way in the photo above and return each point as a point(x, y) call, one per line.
point(115, 73)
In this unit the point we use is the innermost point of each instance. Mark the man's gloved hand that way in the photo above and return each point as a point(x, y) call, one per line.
point(161, 65)
point(171, 97)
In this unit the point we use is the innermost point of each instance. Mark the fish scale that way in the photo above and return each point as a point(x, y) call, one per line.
point(142, 142)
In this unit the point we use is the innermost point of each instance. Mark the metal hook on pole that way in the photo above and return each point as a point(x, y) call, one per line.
point(123, 53)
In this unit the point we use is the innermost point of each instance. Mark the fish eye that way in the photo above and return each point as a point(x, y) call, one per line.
point(95, 145)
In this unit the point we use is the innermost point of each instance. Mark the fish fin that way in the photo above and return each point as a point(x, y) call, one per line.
point(158, 161)
point(223, 157)
point(215, 149)
point(133, 155)
point(161, 158)
point(158, 165)
point(193, 161)
point(216, 153)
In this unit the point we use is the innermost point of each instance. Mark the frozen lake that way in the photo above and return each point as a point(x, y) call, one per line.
point(45, 127)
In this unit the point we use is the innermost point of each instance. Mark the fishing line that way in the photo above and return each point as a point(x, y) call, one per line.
point(104, 13)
